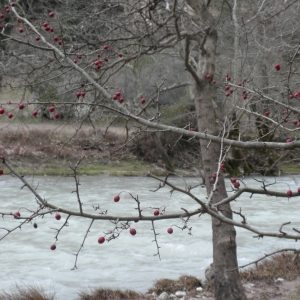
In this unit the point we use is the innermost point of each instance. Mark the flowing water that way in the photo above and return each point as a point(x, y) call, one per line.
point(128, 261)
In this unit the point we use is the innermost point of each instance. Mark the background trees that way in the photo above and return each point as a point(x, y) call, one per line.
point(126, 63)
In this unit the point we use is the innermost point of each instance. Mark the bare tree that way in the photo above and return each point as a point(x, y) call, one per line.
point(122, 33)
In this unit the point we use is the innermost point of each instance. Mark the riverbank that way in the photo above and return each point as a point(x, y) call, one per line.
point(55, 148)
point(48, 149)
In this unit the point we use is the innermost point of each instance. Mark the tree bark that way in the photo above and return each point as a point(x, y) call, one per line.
point(227, 284)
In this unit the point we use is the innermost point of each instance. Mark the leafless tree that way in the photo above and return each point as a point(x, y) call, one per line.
point(65, 63)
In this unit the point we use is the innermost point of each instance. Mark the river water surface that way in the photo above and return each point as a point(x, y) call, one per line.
point(129, 261)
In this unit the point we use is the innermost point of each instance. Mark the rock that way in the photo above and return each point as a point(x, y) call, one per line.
point(164, 296)
point(180, 294)
point(173, 296)
point(279, 279)
point(199, 289)
point(151, 295)
point(204, 283)
point(209, 273)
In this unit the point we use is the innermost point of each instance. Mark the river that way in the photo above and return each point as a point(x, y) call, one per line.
point(129, 261)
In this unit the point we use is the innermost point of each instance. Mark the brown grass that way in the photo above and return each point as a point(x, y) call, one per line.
point(27, 293)
point(184, 283)
point(109, 294)
point(279, 266)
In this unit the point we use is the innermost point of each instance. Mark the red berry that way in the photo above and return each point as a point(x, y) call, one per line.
point(37, 38)
point(118, 94)
point(57, 216)
point(214, 176)
point(47, 28)
point(117, 198)
point(222, 166)
point(289, 193)
point(21, 106)
point(115, 97)
point(277, 67)
point(267, 113)
point(1, 172)
point(97, 62)
point(7, 10)
point(192, 129)
point(101, 240)
point(106, 59)
point(35, 225)
point(98, 67)
point(34, 113)
point(56, 116)
point(228, 78)
point(53, 247)
point(170, 230)
point(82, 93)
point(120, 54)
point(51, 29)
point(135, 221)
point(288, 140)
point(55, 38)
point(244, 92)
point(239, 84)
point(132, 231)
point(21, 30)
point(231, 91)
point(213, 82)
point(51, 15)
point(10, 115)
point(13, 4)
point(79, 56)
point(105, 47)
point(233, 180)
point(98, 55)
point(227, 87)
point(2, 111)
point(60, 43)
point(45, 24)
point(121, 99)
point(75, 61)
point(245, 97)
point(18, 20)
point(156, 212)
point(237, 185)
point(208, 76)
point(299, 190)
point(227, 94)
point(143, 100)
point(295, 122)
point(17, 215)
point(291, 96)
point(51, 108)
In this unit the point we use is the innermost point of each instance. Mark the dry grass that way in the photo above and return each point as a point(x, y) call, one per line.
point(109, 294)
point(62, 142)
point(27, 293)
point(279, 266)
point(184, 283)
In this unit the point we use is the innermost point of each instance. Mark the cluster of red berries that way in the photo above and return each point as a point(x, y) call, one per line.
point(118, 96)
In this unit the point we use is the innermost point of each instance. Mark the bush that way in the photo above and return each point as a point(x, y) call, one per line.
point(27, 293)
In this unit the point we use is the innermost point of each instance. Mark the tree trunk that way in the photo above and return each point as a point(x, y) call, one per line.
point(227, 284)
